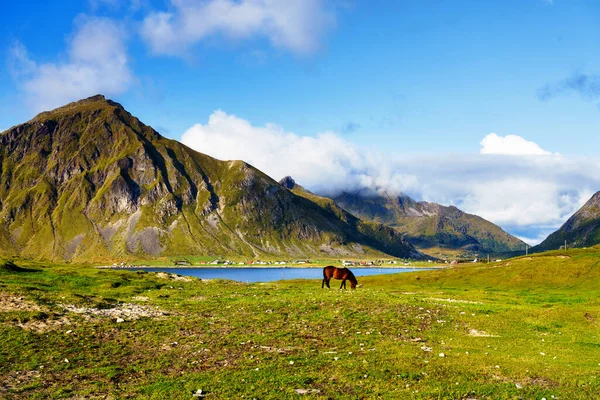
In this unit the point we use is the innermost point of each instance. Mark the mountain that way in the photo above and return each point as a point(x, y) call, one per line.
point(429, 226)
point(377, 230)
point(581, 230)
point(90, 182)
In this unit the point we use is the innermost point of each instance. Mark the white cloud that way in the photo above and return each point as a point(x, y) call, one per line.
point(325, 162)
point(295, 25)
point(538, 237)
point(524, 200)
point(510, 145)
point(521, 194)
point(97, 62)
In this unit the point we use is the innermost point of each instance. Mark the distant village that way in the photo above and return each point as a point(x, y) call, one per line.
point(281, 263)
point(345, 263)
point(307, 262)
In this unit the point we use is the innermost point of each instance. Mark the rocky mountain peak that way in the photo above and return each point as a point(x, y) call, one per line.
point(89, 181)
point(90, 104)
point(288, 182)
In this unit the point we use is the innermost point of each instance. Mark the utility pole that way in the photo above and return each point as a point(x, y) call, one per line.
point(526, 249)
point(565, 245)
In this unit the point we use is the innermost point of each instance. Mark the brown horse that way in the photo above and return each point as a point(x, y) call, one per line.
point(338, 273)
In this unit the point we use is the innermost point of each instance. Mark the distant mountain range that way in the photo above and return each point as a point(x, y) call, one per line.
point(90, 182)
point(431, 227)
point(373, 228)
point(581, 230)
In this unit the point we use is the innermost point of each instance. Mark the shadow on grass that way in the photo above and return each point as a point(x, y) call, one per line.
point(9, 266)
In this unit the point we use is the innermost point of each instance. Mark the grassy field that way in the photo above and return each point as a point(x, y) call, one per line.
point(525, 328)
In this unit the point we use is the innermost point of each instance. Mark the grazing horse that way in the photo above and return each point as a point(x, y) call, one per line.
point(338, 273)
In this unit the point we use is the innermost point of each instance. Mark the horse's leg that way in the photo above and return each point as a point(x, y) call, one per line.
point(323, 283)
point(327, 283)
point(343, 284)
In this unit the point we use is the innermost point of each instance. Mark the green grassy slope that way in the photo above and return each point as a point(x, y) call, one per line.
point(581, 230)
point(524, 328)
point(90, 182)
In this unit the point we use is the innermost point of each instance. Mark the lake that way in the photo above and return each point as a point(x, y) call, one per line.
point(270, 274)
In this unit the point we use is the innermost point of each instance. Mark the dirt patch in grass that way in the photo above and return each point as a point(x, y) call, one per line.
point(590, 318)
point(45, 324)
point(454, 300)
point(543, 382)
point(173, 277)
point(478, 333)
point(16, 380)
point(125, 311)
point(10, 302)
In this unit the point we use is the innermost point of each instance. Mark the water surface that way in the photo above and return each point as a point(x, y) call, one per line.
point(270, 274)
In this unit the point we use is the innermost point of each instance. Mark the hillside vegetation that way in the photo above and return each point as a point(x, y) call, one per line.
point(581, 230)
point(431, 227)
point(89, 182)
point(523, 328)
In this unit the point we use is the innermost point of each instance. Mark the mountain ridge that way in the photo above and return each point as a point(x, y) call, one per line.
point(89, 181)
point(374, 228)
point(582, 229)
point(430, 225)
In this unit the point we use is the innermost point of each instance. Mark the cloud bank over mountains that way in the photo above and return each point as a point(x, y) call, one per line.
point(512, 182)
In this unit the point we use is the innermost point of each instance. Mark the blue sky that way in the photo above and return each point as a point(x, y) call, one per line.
point(394, 80)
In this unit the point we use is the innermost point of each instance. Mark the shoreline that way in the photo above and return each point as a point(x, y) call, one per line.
point(133, 267)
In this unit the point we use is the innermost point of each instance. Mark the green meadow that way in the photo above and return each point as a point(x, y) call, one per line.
point(524, 328)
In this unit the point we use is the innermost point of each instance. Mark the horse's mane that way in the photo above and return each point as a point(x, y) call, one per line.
point(351, 276)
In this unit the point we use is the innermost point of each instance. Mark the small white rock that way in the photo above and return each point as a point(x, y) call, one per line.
point(66, 360)
point(119, 320)
point(442, 355)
